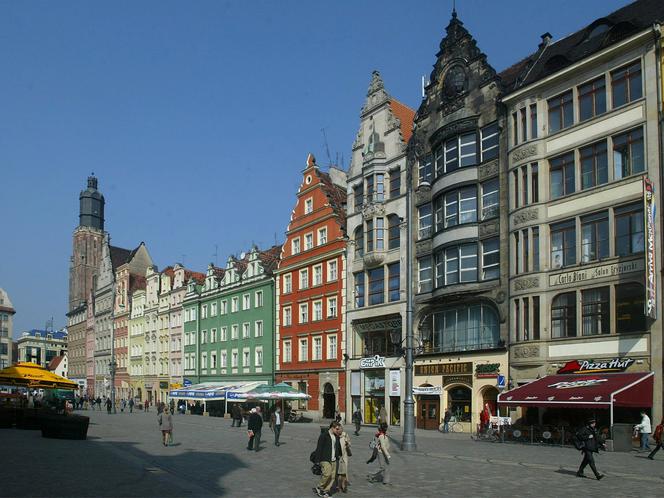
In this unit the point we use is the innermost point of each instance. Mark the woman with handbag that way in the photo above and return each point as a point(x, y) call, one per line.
point(342, 467)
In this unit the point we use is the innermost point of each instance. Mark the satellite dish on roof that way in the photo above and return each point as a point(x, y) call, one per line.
point(242, 255)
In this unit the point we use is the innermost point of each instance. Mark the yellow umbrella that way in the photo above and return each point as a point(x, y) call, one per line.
point(31, 375)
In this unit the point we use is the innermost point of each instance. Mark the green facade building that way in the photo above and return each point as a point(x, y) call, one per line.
point(229, 321)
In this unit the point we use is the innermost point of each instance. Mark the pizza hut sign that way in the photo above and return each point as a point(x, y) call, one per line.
point(592, 366)
point(576, 383)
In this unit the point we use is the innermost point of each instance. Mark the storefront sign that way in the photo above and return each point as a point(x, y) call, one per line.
point(458, 379)
point(163, 384)
point(373, 362)
point(586, 366)
point(428, 390)
point(651, 277)
point(487, 371)
point(465, 368)
point(395, 383)
point(587, 274)
point(574, 384)
point(390, 324)
point(186, 382)
point(148, 385)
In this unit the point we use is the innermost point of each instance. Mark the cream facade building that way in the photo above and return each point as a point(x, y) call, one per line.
point(7, 312)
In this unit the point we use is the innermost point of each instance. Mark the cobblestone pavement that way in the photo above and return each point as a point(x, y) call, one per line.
point(123, 456)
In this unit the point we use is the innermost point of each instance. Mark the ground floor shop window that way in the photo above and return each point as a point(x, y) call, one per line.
point(374, 395)
point(460, 403)
point(372, 408)
point(395, 410)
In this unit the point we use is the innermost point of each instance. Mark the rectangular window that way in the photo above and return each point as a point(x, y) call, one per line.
point(224, 333)
point(318, 275)
point(235, 304)
point(380, 187)
point(524, 186)
point(490, 198)
point(308, 241)
point(561, 111)
point(258, 299)
point(563, 315)
point(304, 312)
point(629, 230)
point(515, 129)
point(517, 320)
point(358, 197)
point(213, 360)
point(370, 188)
point(393, 289)
point(235, 328)
point(288, 284)
point(594, 237)
point(395, 183)
point(204, 310)
point(317, 353)
point(380, 234)
point(517, 252)
point(331, 347)
point(524, 124)
point(204, 337)
point(468, 263)
point(628, 154)
point(563, 244)
point(534, 182)
point(489, 142)
point(526, 319)
point(304, 350)
point(515, 183)
point(258, 328)
point(246, 330)
point(461, 206)
point(595, 311)
point(561, 170)
point(213, 335)
point(424, 223)
point(359, 290)
point(525, 247)
point(533, 121)
point(376, 286)
point(425, 169)
point(213, 309)
point(536, 318)
point(451, 157)
point(318, 311)
point(288, 352)
point(322, 236)
point(468, 149)
point(626, 84)
point(234, 358)
point(246, 358)
point(288, 316)
point(370, 235)
point(536, 251)
point(451, 267)
point(246, 302)
point(308, 205)
point(295, 246)
point(490, 259)
point(258, 357)
point(332, 307)
point(224, 307)
point(224, 359)
point(332, 270)
point(630, 315)
point(424, 274)
point(393, 231)
point(594, 165)
point(304, 279)
point(592, 99)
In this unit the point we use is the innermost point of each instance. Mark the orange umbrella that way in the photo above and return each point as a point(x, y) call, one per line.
point(26, 374)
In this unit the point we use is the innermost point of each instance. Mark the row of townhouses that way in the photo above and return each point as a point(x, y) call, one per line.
point(514, 208)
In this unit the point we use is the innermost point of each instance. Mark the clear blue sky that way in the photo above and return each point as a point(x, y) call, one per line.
point(197, 117)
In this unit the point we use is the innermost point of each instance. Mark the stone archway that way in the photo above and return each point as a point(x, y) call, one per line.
point(329, 401)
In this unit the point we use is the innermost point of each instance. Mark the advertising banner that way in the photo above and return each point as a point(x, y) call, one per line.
point(395, 383)
point(651, 275)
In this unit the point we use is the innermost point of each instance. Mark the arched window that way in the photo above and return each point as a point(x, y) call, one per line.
point(563, 315)
point(466, 328)
point(359, 242)
point(394, 230)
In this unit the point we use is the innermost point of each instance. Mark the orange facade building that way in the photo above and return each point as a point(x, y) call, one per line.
point(311, 282)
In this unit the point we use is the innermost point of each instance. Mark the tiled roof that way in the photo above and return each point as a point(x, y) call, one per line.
point(197, 276)
point(337, 197)
point(120, 256)
point(405, 115)
point(509, 77)
point(601, 33)
point(54, 363)
point(136, 282)
point(270, 258)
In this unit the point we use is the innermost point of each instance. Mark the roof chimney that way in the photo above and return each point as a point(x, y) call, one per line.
point(546, 39)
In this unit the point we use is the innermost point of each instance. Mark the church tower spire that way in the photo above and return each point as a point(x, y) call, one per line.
point(91, 212)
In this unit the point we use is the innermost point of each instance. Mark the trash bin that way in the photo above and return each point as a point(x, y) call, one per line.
point(621, 434)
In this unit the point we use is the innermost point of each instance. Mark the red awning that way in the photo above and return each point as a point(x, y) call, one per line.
point(584, 391)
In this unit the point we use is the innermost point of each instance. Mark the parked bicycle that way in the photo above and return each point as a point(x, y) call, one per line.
point(453, 426)
point(489, 433)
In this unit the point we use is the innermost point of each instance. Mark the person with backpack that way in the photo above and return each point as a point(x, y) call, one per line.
point(587, 441)
point(381, 447)
point(657, 435)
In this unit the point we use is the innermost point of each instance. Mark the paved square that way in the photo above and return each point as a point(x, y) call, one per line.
point(123, 456)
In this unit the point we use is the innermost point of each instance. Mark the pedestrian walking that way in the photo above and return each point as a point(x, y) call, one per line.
point(146, 405)
point(165, 420)
point(108, 405)
point(357, 420)
point(254, 426)
point(276, 422)
point(131, 405)
point(446, 420)
point(337, 416)
point(123, 404)
point(328, 452)
point(588, 442)
point(236, 415)
point(99, 402)
point(657, 436)
point(171, 405)
point(382, 443)
point(342, 466)
point(644, 429)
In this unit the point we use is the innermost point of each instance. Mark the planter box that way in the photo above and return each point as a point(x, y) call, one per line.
point(65, 426)
point(29, 419)
point(7, 418)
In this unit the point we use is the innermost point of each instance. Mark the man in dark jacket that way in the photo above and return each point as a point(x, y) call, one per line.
point(255, 424)
point(357, 420)
point(446, 420)
point(327, 454)
point(590, 443)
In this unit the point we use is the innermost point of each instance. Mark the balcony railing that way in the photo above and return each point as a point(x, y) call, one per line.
point(459, 347)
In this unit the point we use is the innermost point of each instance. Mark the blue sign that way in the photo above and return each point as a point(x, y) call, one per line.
point(500, 381)
point(186, 382)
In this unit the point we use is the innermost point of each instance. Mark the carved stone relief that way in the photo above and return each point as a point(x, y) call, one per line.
point(423, 247)
point(489, 228)
point(526, 283)
point(525, 216)
point(524, 152)
point(528, 351)
point(372, 210)
point(488, 169)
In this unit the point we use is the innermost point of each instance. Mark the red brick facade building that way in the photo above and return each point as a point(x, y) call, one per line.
point(310, 329)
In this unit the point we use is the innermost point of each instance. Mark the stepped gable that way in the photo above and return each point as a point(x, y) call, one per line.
point(601, 33)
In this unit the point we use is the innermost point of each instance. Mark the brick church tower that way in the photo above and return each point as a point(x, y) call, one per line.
point(87, 244)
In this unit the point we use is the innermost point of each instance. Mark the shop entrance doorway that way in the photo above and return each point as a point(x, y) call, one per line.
point(489, 397)
point(428, 413)
point(329, 401)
